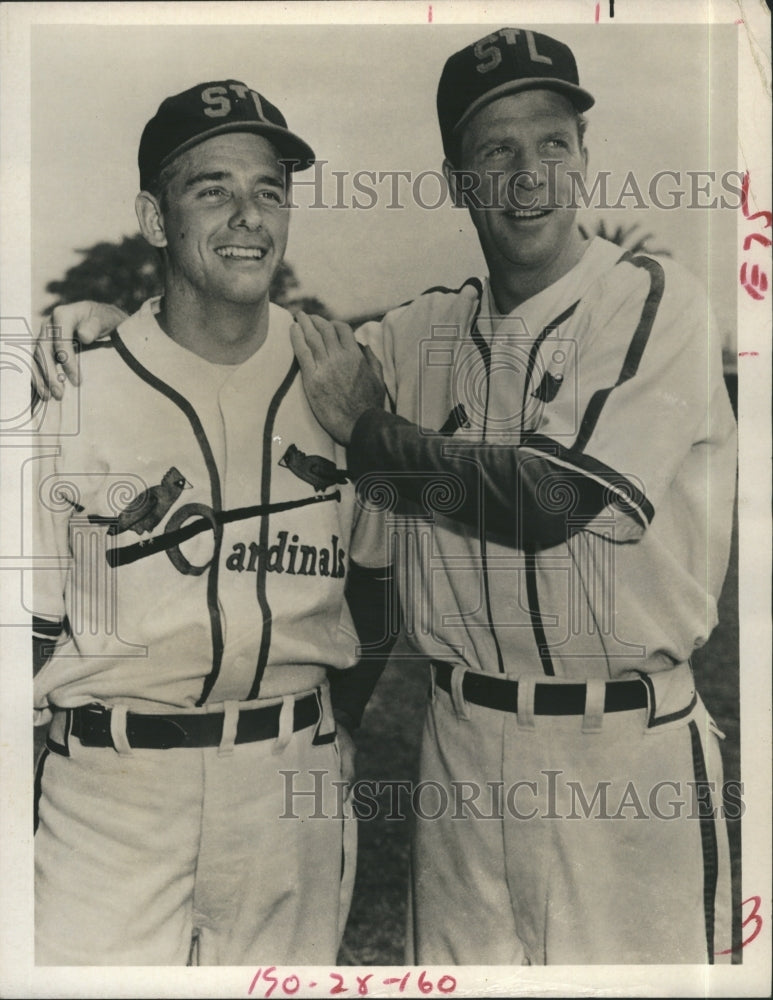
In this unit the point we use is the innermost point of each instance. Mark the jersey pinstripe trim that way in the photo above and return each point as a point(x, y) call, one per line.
point(635, 348)
point(484, 349)
point(265, 498)
point(535, 349)
point(532, 589)
point(708, 837)
point(476, 283)
point(625, 493)
point(661, 720)
point(156, 383)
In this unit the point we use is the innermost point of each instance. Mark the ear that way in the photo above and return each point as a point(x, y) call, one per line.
point(451, 175)
point(150, 218)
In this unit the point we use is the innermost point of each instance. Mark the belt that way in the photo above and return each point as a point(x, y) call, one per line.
point(491, 691)
point(91, 725)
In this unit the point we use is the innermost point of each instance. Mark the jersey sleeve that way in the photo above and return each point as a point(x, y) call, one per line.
point(377, 335)
point(650, 392)
point(646, 391)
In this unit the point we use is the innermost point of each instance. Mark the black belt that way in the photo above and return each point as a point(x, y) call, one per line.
point(91, 725)
point(491, 691)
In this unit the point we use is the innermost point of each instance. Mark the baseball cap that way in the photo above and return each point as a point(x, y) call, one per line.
point(210, 109)
point(507, 61)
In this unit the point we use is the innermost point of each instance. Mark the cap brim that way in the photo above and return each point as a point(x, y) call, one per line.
point(580, 98)
point(291, 147)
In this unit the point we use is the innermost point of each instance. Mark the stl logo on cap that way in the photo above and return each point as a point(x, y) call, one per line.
point(502, 63)
point(212, 108)
point(488, 52)
point(217, 102)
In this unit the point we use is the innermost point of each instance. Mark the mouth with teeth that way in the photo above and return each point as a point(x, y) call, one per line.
point(527, 213)
point(241, 253)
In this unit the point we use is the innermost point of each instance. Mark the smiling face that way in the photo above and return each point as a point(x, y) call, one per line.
point(224, 221)
point(521, 147)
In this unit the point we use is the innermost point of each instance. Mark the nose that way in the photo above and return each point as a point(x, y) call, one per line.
point(527, 179)
point(246, 215)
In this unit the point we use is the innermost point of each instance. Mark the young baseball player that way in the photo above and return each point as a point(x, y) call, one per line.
point(196, 528)
point(564, 453)
point(569, 415)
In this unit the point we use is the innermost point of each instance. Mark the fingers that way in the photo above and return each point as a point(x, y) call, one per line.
point(38, 373)
point(325, 337)
point(302, 350)
point(373, 361)
point(50, 357)
point(345, 334)
point(328, 331)
point(315, 342)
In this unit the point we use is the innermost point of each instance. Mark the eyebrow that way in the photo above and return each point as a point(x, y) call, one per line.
point(209, 176)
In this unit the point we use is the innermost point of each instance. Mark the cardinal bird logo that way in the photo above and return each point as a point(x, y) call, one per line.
point(319, 472)
point(147, 509)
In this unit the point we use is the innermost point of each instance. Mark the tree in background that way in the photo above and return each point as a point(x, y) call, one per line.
point(624, 236)
point(129, 272)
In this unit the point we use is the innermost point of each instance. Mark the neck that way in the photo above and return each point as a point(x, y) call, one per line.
point(225, 333)
point(512, 285)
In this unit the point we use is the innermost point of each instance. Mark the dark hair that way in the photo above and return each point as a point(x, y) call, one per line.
point(158, 185)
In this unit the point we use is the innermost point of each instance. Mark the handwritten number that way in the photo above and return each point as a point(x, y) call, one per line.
point(756, 902)
point(267, 975)
point(339, 987)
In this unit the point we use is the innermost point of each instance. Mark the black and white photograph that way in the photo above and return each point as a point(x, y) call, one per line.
point(386, 530)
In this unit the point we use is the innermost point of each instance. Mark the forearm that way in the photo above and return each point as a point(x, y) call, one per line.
point(513, 495)
point(374, 608)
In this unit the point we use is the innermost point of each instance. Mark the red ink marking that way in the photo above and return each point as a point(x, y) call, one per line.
point(425, 985)
point(446, 984)
point(312, 984)
point(758, 238)
point(273, 980)
point(296, 985)
point(739, 21)
point(756, 284)
point(748, 354)
point(339, 986)
point(756, 902)
point(402, 982)
point(598, 12)
point(429, 15)
point(362, 984)
point(255, 978)
point(767, 216)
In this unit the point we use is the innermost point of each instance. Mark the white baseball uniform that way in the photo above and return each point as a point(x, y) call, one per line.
point(565, 534)
point(179, 595)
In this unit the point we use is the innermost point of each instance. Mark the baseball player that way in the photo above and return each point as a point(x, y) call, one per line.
point(196, 529)
point(569, 416)
point(563, 451)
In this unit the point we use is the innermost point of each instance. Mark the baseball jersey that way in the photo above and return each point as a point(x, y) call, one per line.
point(565, 473)
point(161, 545)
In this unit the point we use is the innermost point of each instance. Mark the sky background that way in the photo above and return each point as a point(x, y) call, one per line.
point(364, 97)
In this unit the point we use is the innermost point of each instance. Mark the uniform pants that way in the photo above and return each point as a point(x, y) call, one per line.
point(193, 856)
point(552, 875)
